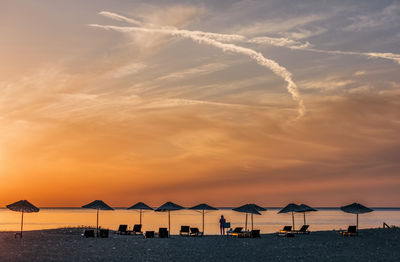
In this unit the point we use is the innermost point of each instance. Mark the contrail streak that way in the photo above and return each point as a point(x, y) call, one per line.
point(216, 36)
point(203, 39)
point(120, 18)
point(274, 41)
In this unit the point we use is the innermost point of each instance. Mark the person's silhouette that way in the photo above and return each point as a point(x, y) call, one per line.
point(222, 222)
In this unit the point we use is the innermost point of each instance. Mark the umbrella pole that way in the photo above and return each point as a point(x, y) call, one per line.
point(304, 218)
point(169, 223)
point(357, 222)
point(251, 222)
point(140, 219)
point(245, 227)
point(293, 220)
point(22, 222)
point(97, 224)
point(203, 221)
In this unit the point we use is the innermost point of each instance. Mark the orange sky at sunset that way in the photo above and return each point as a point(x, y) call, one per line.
point(88, 113)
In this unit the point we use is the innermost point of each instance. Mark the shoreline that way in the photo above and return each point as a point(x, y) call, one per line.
point(67, 244)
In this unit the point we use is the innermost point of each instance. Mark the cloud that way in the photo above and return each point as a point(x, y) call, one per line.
point(386, 18)
point(121, 18)
point(203, 39)
point(126, 70)
point(200, 70)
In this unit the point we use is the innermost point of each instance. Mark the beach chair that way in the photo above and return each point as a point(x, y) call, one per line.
point(351, 231)
point(162, 232)
point(103, 233)
point(137, 229)
point(149, 234)
point(88, 233)
point(286, 230)
point(303, 230)
point(122, 230)
point(255, 233)
point(184, 231)
point(236, 232)
point(195, 232)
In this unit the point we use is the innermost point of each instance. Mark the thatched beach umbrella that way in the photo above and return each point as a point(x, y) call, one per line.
point(304, 209)
point(23, 206)
point(140, 206)
point(168, 207)
point(203, 207)
point(250, 209)
point(291, 208)
point(98, 205)
point(356, 208)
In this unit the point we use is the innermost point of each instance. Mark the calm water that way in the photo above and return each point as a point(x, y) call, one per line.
point(268, 222)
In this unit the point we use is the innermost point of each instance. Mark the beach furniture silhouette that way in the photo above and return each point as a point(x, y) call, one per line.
point(291, 208)
point(184, 231)
point(285, 231)
point(137, 229)
point(236, 232)
point(195, 232)
point(163, 232)
point(351, 231)
point(103, 233)
point(203, 208)
point(149, 234)
point(98, 205)
point(249, 209)
point(23, 206)
point(255, 233)
point(168, 207)
point(357, 209)
point(303, 230)
point(122, 230)
point(88, 233)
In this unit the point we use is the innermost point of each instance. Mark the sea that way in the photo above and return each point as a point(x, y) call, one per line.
point(268, 222)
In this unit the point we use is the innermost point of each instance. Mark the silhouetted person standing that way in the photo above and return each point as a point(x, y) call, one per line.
point(222, 222)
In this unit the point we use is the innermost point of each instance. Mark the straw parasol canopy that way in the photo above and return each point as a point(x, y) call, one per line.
point(357, 209)
point(23, 206)
point(203, 207)
point(168, 207)
point(304, 209)
point(291, 208)
point(140, 206)
point(249, 209)
point(98, 205)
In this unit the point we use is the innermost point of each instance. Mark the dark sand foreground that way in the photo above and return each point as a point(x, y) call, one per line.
point(69, 245)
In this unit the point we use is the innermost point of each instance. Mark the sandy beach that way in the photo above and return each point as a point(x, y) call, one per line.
point(68, 245)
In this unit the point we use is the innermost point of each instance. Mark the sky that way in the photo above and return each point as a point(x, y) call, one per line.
point(224, 102)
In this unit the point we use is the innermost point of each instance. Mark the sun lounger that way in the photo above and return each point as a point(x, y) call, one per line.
point(236, 232)
point(122, 230)
point(303, 230)
point(149, 234)
point(88, 233)
point(195, 232)
point(162, 232)
point(255, 233)
point(351, 231)
point(285, 231)
point(103, 233)
point(137, 229)
point(184, 231)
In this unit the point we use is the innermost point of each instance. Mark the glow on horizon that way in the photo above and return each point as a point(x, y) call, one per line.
point(91, 114)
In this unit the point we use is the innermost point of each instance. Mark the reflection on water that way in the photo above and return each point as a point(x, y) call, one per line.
point(268, 222)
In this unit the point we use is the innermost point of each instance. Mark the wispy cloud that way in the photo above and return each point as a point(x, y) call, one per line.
point(126, 70)
point(200, 70)
point(387, 17)
point(203, 39)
